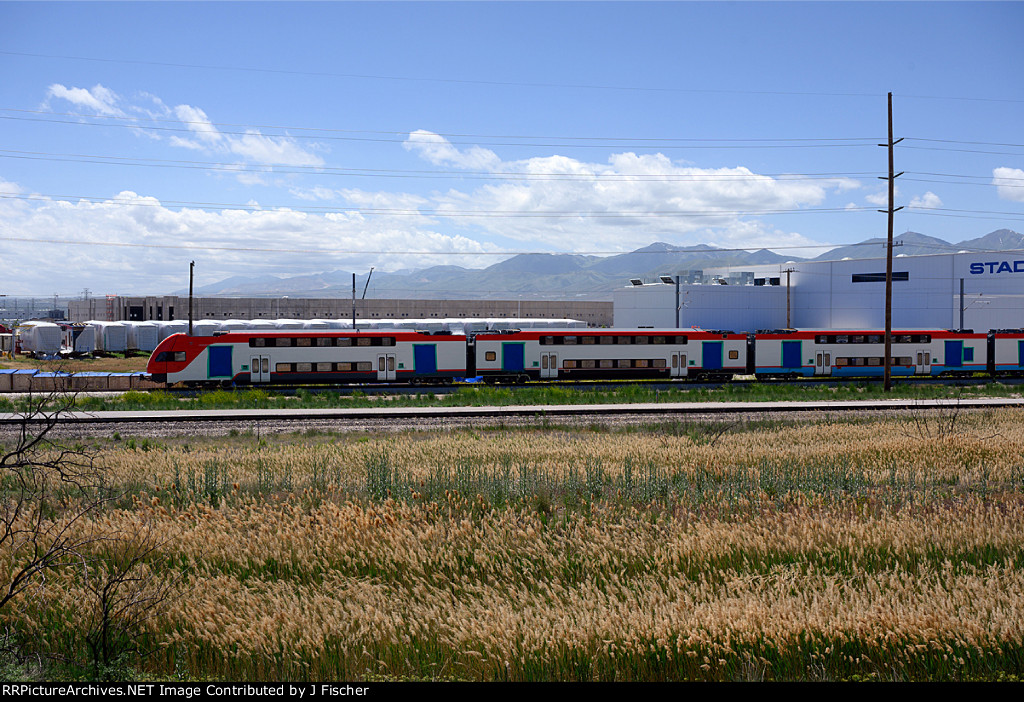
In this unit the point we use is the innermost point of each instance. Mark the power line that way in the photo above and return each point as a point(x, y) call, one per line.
point(411, 173)
point(435, 212)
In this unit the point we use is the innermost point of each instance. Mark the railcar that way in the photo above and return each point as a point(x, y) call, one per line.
point(309, 357)
point(608, 354)
point(1006, 351)
point(861, 353)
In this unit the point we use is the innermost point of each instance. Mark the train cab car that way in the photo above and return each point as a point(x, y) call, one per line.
point(309, 357)
point(861, 353)
point(1006, 351)
point(608, 354)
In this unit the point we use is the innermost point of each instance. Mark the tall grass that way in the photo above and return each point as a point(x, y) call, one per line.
point(833, 551)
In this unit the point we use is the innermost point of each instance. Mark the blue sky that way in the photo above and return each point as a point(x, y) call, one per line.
point(290, 138)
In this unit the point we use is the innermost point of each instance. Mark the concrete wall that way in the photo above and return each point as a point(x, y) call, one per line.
point(740, 308)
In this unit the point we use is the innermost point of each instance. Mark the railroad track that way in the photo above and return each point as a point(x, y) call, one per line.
point(520, 411)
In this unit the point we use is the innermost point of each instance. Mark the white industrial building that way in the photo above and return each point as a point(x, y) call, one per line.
point(984, 290)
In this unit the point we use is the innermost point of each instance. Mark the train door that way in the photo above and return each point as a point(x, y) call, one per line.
point(823, 363)
point(259, 369)
point(954, 354)
point(924, 363)
point(678, 365)
point(712, 355)
point(513, 355)
point(549, 365)
point(386, 369)
point(792, 355)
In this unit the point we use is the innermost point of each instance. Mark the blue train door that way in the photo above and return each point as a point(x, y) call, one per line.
point(425, 359)
point(220, 365)
point(792, 355)
point(954, 354)
point(1020, 354)
point(513, 356)
point(712, 355)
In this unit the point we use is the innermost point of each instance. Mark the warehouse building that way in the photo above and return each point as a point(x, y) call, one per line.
point(114, 308)
point(972, 290)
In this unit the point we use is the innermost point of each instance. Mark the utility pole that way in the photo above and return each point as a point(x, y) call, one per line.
point(888, 254)
point(191, 270)
point(353, 301)
point(787, 272)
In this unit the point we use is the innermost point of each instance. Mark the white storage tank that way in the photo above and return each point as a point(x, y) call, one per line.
point(142, 336)
point(111, 337)
point(205, 327)
point(78, 338)
point(165, 329)
point(40, 338)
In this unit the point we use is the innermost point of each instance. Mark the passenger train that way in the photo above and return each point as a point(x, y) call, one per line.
point(332, 357)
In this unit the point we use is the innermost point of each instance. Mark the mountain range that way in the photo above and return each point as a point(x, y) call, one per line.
point(571, 276)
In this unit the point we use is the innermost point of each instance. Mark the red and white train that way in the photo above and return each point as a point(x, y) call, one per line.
point(302, 357)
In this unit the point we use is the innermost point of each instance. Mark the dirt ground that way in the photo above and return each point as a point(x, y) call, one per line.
point(79, 365)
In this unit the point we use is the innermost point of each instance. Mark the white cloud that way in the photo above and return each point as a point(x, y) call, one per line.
point(262, 241)
point(631, 200)
point(929, 200)
point(441, 152)
point(1010, 183)
point(98, 99)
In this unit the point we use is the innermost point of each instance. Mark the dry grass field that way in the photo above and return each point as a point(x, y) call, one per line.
point(886, 549)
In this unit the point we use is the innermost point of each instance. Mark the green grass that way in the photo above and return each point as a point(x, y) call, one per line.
point(480, 396)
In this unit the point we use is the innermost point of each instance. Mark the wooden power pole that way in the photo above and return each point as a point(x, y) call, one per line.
point(888, 252)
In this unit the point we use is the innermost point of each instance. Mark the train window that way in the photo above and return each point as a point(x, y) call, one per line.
point(380, 363)
point(491, 356)
point(641, 340)
point(818, 361)
point(364, 341)
point(623, 363)
point(568, 364)
point(343, 367)
point(842, 339)
point(828, 359)
point(927, 358)
point(624, 340)
point(968, 353)
point(265, 365)
point(682, 339)
point(343, 341)
point(258, 341)
point(675, 360)
point(588, 340)
point(387, 341)
point(857, 339)
point(324, 367)
point(283, 341)
point(364, 366)
point(920, 358)
point(874, 361)
point(391, 363)
point(324, 341)
point(821, 339)
point(283, 368)
point(659, 363)
point(588, 363)
point(544, 361)
point(547, 340)
point(304, 367)
point(658, 340)
point(607, 363)
point(924, 339)
point(607, 340)
point(641, 363)
point(842, 361)
point(875, 339)
point(903, 339)
point(733, 355)
point(304, 341)
point(569, 340)
point(859, 361)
